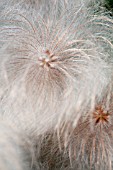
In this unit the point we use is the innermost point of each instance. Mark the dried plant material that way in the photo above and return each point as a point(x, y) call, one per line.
point(91, 142)
point(15, 151)
point(55, 68)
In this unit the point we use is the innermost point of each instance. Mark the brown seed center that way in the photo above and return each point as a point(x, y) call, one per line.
point(48, 60)
point(100, 116)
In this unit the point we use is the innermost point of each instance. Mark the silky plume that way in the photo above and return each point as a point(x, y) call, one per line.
point(55, 67)
point(53, 64)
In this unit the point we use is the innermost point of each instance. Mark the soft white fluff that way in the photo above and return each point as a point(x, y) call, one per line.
point(14, 149)
point(54, 64)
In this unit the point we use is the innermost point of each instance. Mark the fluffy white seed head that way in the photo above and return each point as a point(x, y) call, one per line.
point(55, 70)
point(87, 146)
point(53, 64)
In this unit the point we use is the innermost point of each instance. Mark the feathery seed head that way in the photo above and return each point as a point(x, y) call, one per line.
point(55, 71)
point(56, 61)
point(91, 142)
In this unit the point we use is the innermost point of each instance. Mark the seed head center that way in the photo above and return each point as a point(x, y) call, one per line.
point(100, 116)
point(48, 59)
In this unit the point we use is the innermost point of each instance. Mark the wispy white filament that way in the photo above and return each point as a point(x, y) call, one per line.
point(55, 63)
